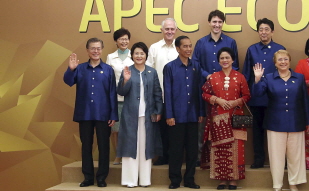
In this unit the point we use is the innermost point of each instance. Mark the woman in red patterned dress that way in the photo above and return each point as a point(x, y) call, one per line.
point(224, 91)
point(303, 68)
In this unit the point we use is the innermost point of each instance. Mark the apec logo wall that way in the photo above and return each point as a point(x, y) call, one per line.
point(151, 11)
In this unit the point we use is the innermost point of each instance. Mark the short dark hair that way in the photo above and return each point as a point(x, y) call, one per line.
point(140, 45)
point(92, 40)
point(216, 13)
point(228, 50)
point(307, 48)
point(265, 21)
point(178, 40)
point(121, 32)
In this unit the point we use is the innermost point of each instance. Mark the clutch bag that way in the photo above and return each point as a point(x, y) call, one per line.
point(242, 121)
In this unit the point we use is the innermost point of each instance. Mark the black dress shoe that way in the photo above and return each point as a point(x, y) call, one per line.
point(173, 186)
point(221, 187)
point(192, 185)
point(232, 187)
point(160, 161)
point(86, 183)
point(102, 183)
point(254, 166)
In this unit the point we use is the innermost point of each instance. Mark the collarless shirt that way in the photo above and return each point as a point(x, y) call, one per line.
point(206, 49)
point(159, 55)
point(96, 97)
point(288, 107)
point(183, 91)
point(118, 65)
point(142, 104)
point(260, 53)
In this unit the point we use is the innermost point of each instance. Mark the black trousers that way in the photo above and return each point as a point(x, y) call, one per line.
point(183, 136)
point(258, 113)
point(103, 131)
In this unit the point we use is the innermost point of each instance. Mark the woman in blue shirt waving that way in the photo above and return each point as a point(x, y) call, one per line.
point(285, 120)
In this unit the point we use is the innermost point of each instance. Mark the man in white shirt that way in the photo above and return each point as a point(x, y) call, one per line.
point(161, 53)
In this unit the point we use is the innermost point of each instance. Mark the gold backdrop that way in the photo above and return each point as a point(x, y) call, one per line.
point(37, 135)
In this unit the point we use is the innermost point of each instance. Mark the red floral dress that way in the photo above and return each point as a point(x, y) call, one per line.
point(226, 154)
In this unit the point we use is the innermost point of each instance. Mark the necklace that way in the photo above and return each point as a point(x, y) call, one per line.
point(226, 83)
point(285, 76)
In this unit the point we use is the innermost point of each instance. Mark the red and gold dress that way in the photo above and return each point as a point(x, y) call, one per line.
point(303, 68)
point(226, 156)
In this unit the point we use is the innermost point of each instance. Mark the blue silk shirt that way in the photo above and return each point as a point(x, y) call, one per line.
point(206, 49)
point(260, 53)
point(96, 97)
point(183, 91)
point(288, 106)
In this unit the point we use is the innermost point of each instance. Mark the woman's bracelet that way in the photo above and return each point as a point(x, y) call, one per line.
point(215, 100)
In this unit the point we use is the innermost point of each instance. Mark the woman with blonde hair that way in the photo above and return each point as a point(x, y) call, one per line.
point(285, 120)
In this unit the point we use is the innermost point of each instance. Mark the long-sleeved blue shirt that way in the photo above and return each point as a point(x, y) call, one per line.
point(96, 97)
point(288, 106)
point(206, 49)
point(260, 53)
point(182, 91)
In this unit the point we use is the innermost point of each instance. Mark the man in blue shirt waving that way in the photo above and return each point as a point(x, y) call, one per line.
point(261, 52)
point(184, 108)
point(95, 108)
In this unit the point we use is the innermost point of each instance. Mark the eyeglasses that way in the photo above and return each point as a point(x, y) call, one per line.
point(123, 39)
point(92, 49)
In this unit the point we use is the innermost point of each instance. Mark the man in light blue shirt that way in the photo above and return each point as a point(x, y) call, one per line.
point(161, 53)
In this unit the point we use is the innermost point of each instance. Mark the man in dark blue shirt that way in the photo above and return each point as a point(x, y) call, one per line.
point(184, 108)
point(95, 108)
point(261, 52)
point(206, 48)
point(205, 52)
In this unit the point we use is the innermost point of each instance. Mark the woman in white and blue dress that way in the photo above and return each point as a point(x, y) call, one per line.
point(118, 60)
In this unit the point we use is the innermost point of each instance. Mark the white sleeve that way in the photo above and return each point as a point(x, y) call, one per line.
point(151, 57)
point(108, 60)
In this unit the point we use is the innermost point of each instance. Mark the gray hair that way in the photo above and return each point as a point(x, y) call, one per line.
point(171, 19)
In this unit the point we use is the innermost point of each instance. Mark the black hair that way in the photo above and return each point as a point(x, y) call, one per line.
point(92, 40)
point(178, 40)
point(307, 48)
point(216, 13)
point(265, 21)
point(228, 50)
point(140, 45)
point(121, 32)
